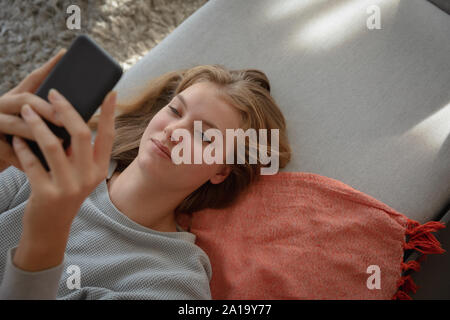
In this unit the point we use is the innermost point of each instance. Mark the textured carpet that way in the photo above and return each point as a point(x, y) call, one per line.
point(32, 31)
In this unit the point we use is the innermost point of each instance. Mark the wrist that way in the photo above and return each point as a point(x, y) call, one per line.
point(36, 253)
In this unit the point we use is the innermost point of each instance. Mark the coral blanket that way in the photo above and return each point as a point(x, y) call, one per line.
point(298, 235)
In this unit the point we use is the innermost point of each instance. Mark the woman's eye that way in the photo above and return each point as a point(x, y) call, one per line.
point(175, 111)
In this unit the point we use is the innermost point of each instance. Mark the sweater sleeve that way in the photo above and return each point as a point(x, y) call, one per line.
point(18, 284)
point(11, 179)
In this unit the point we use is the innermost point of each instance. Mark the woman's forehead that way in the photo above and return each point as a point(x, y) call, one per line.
point(204, 100)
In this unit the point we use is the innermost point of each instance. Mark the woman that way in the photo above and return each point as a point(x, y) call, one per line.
point(73, 233)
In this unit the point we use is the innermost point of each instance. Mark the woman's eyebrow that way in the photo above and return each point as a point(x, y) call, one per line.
point(183, 101)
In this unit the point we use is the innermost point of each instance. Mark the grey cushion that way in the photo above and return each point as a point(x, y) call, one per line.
point(367, 107)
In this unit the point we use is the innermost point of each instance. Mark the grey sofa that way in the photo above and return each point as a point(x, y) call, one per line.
point(367, 107)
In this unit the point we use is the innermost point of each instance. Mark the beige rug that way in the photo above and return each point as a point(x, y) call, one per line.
point(32, 31)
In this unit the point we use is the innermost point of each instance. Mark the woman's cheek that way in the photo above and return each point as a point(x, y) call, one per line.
point(201, 152)
point(159, 124)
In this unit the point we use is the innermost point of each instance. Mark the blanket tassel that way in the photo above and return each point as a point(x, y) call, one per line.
point(420, 239)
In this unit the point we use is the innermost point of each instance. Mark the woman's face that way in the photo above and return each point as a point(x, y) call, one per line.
point(198, 102)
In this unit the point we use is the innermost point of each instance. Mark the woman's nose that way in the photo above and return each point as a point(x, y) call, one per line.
point(177, 141)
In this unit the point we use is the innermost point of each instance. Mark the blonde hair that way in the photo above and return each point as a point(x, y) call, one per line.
point(248, 90)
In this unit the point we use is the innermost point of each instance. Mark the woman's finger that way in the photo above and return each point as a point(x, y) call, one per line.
point(79, 131)
point(50, 146)
point(12, 104)
point(105, 132)
point(30, 163)
point(14, 125)
point(32, 82)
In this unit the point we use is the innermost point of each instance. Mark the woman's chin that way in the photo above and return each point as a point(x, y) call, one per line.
point(152, 164)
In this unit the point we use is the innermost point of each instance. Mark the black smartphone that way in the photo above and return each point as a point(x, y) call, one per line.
point(84, 76)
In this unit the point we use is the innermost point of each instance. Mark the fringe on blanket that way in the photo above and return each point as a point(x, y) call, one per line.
point(421, 239)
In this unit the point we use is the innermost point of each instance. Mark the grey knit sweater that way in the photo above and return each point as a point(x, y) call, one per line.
point(108, 256)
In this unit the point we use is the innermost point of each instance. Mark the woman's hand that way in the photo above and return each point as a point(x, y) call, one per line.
point(56, 196)
point(13, 100)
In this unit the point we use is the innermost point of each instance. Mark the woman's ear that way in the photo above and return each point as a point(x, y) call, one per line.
point(221, 175)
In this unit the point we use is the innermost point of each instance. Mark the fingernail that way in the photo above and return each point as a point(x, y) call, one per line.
point(54, 95)
point(27, 111)
point(113, 96)
point(110, 96)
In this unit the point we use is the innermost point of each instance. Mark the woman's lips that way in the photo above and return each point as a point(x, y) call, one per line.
point(164, 151)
